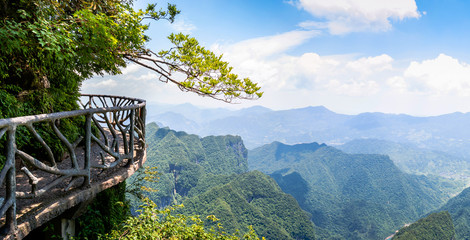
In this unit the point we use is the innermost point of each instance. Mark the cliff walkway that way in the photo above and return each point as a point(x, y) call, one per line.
point(36, 188)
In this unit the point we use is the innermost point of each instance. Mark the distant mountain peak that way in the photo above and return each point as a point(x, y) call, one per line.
point(319, 109)
point(257, 107)
point(298, 145)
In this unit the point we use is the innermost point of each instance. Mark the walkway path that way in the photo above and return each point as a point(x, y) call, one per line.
point(35, 191)
point(32, 213)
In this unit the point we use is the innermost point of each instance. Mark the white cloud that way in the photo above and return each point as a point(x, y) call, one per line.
point(264, 60)
point(100, 84)
point(397, 83)
point(354, 88)
point(149, 76)
point(313, 25)
point(181, 25)
point(443, 75)
point(265, 46)
point(130, 68)
point(345, 16)
point(312, 63)
point(348, 83)
point(369, 65)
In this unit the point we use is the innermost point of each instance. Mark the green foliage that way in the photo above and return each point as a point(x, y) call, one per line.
point(459, 209)
point(348, 196)
point(253, 199)
point(152, 223)
point(435, 226)
point(108, 217)
point(107, 211)
point(39, 68)
point(76, 39)
point(137, 188)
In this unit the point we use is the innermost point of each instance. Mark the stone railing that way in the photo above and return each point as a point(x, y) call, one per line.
point(113, 127)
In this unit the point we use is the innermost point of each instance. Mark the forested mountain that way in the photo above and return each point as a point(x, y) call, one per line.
point(209, 176)
point(435, 226)
point(257, 126)
point(349, 196)
point(459, 209)
point(253, 198)
point(412, 159)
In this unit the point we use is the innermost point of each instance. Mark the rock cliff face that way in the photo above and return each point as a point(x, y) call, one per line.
point(183, 159)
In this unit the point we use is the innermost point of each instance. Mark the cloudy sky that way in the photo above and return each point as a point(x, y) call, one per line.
point(351, 56)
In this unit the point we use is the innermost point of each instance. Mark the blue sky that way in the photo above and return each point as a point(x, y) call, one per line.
point(351, 56)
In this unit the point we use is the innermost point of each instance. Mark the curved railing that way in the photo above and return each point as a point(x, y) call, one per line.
point(113, 125)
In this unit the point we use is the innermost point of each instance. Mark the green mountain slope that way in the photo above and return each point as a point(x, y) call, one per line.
point(217, 154)
point(209, 175)
point(350, 196)
point(459, 209)
point(254, 199)
point(183, 159)
point(435, 226)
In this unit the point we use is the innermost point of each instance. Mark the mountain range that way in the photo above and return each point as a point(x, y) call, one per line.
point(258, 125)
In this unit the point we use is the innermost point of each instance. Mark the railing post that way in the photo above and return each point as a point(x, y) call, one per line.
point(86, 182)
point(131, 138)
point(11, 180)
point(144, 116)
point(132, 134)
